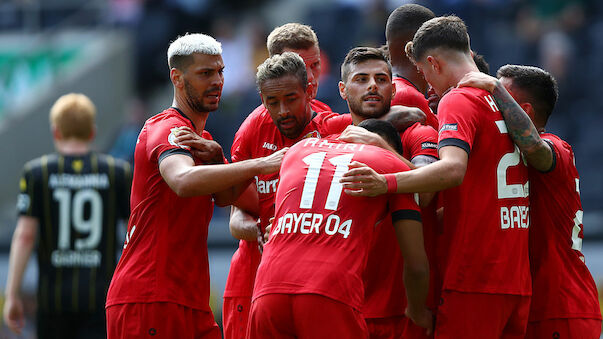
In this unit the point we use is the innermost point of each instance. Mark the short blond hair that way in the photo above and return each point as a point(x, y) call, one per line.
point(73, 116)
point(292, 35)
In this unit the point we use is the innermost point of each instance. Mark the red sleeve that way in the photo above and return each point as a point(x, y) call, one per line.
point(459, 116)
point(334, 123)
point(160, 140)
point(404, 206)
point(319, 106)
point(420, 140)
point(407, 95)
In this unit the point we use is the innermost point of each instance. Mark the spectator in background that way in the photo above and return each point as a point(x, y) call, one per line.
point(73, 199)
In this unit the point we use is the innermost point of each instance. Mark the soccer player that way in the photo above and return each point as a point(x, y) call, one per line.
point(366, 84)
point(309, 283)
point(411, 87)
point(280, 128)
point(73, 199)
point(161, 283)
point(486, 287)
point(564, 296)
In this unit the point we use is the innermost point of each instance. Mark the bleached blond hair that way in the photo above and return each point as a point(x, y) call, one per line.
point(184, 46)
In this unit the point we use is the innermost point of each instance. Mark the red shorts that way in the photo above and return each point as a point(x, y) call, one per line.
point(304, 316)
point(574, 328)
point(235, 314)
point(160, 320)
point(481, 315)
point(386, 328)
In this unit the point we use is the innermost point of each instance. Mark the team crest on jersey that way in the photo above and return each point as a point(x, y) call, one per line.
point(429, 145)
point(313, 134)
point(172, 138)
point(449, 127)
point(77, 165)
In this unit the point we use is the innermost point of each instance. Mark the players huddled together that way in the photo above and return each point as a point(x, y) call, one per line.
point(453, 217)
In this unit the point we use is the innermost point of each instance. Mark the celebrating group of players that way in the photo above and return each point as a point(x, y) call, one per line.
point(387, 222)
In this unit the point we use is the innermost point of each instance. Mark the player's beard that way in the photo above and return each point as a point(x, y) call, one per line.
point(196, 102)
point(356, 107)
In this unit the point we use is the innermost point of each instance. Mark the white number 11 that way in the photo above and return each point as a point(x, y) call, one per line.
point(314, 161)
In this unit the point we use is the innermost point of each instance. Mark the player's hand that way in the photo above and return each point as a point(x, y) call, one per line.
point(402, 117)
point(359, 135)
point(422, 318)
point(13, 314)
point(479, 80)
point(272, 163)
point(361, 180)
point(208, 151)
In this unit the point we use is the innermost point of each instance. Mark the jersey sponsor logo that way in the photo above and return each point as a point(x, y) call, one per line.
point(266, 186)
point(313, 142)
point(429, 145)
point(269, 146)
point(79, 181)
point(172, 137)
point(70, 258)
point(449, 127)
point(312, 223)
point(514, 217)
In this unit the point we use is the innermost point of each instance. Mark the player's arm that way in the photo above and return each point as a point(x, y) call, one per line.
point(244, 214)
point(22, 245)
point(359, 135)
point(409, 234)
point(420, 161)
point(537, 152)
point(208, 151)
point(187, 180)
point(448, 172)
point(403, 117)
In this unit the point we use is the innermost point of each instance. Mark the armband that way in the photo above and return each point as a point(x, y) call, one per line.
point(392, 183)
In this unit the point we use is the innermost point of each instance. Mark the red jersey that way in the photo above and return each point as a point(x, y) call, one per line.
point(562, 285)
point(384, 284)
point(408, 95)
point(249, 144)
point(485, 218)
point(165, 252)
point(322, 230)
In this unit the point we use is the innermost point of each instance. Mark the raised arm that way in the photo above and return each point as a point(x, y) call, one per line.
point(536, 151)
point(22, 245)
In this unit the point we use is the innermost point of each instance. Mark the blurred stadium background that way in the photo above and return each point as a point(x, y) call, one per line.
point(114, 51)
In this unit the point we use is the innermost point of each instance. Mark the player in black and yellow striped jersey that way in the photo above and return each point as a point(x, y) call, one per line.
point(72, 201)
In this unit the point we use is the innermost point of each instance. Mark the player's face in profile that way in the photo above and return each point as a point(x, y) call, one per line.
point(288, 104)
point(433, 99)
point(431, 76)
point(203, 81)
point(311, 58)
point(369, 89)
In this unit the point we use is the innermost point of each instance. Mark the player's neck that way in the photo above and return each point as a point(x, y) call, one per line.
point(457, 72)
point(72, 147)
point(198, 118)
point(409, 72)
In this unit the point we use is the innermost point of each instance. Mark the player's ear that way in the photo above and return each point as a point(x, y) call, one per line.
point(434, 63)
point(176, 76)
point(56, 134)
point(92, 133)
point(310, 91)
point(342, 91)
point(529, 109)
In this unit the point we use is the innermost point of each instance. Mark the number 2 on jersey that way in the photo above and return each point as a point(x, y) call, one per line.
point(314, 162)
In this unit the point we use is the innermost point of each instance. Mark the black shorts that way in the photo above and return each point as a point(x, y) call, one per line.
point(71, 325)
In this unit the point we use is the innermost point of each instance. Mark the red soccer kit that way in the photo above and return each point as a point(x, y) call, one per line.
point(561, 283)
point(165, 252)
point(249, 144)
point(323, 230)
point(485, 218)
point(408, 95)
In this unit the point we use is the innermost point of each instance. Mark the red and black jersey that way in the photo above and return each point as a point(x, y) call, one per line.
point(408, 95)
point(486, 218)
point(561, 283)
point(165, 253)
